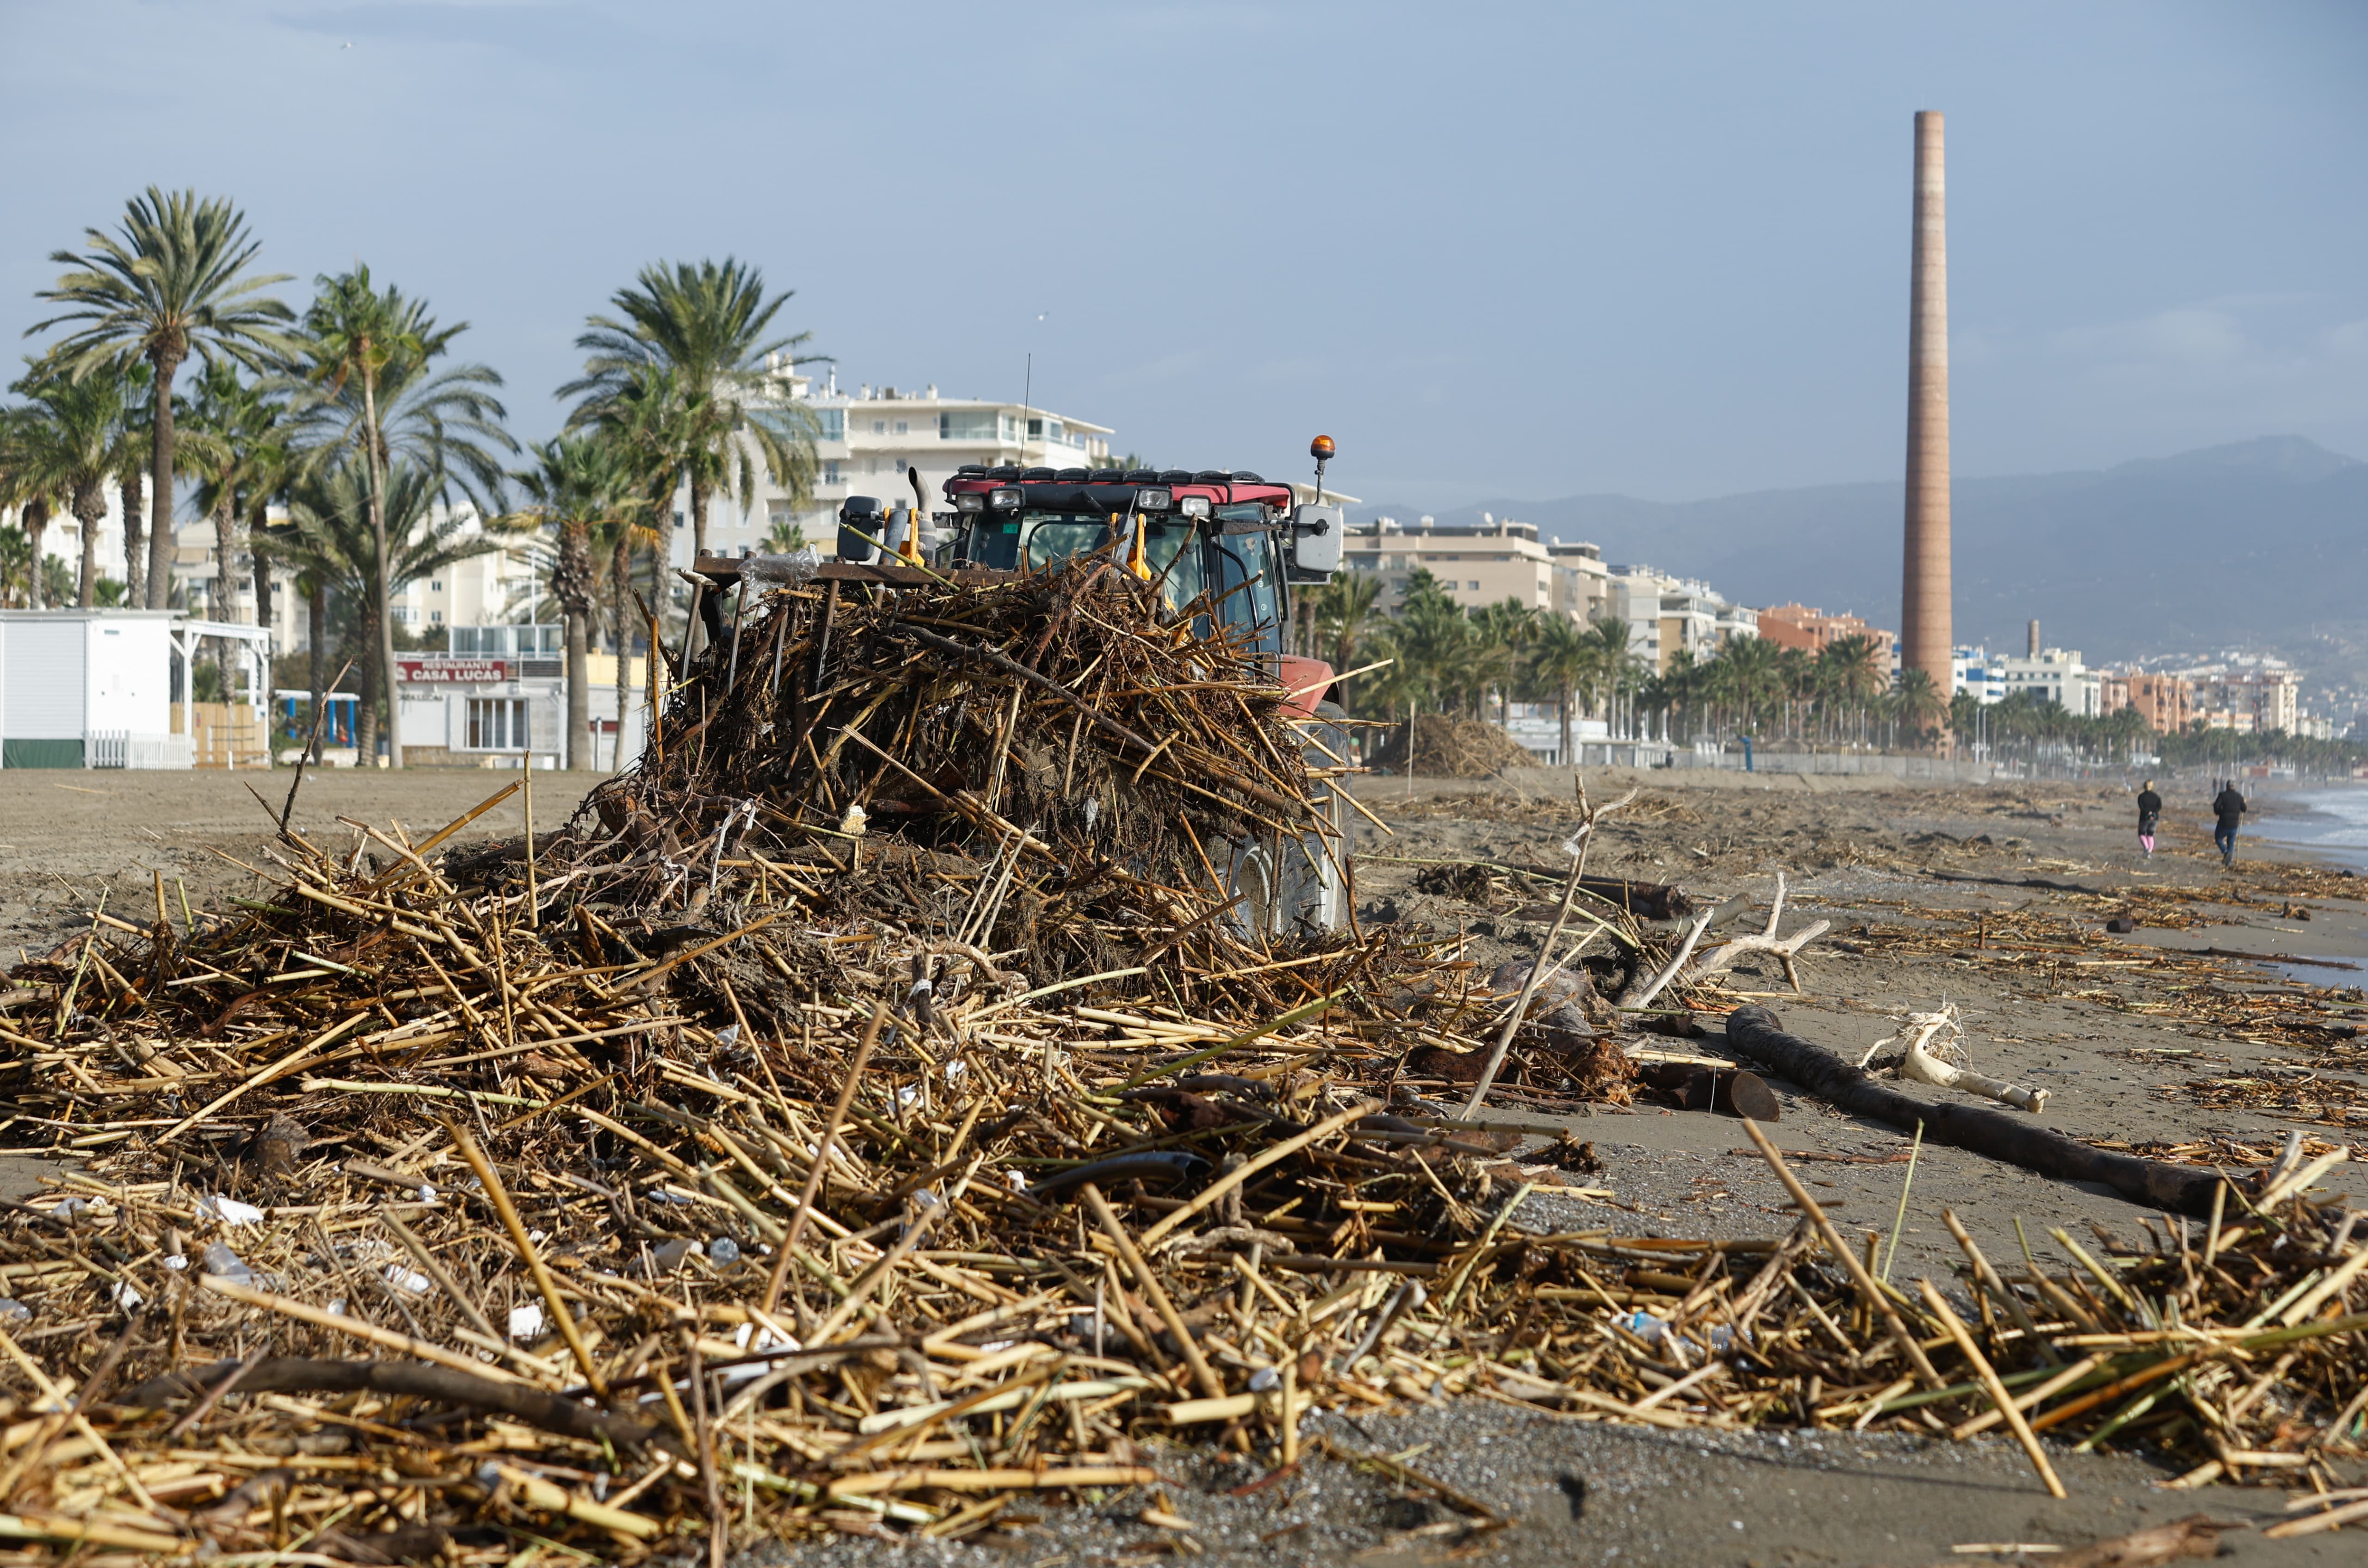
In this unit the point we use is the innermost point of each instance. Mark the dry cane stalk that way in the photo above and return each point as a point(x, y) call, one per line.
point(822, 1158)
point(1995, 1389)
point(1841, 1249)
point(543, 1282)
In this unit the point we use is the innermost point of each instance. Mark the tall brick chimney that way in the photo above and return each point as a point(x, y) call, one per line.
point(1925, 630)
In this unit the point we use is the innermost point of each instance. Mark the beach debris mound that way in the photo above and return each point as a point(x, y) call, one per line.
point(1446, 747)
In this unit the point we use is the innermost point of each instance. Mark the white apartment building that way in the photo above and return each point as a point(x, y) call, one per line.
point(2057, 675)
point(1972, 670)
point(1665, 614)
point(1480, 565)
point(867, 441)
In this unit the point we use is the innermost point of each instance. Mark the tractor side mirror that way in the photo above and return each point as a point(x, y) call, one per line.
point(1317, 534)
point(861, 524)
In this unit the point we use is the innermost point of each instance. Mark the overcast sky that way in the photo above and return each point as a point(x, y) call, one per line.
point(1496, 250)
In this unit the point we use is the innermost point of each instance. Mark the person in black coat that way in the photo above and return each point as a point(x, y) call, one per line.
point(2229, 807)
point(2149, 814)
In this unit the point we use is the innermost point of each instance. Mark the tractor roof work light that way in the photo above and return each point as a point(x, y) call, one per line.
point(971, 501)
point(1193, 506)
point(1005, 499)
point(1153, 500)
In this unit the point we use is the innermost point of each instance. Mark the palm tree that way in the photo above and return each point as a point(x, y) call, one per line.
point(69, 432)
point(786, 536)
point(29, 483)
point(1920, 705)
point(644, 419)
point(282, 541)
point(579, 484)
point(130, 475)
point(1503, 631)
point(705, 326)
point(1752, 671)
point(1564, 659)
point(336, 524)
point(175, 284)
point(1343, 608)
point(1854, 664)
point(619, 539)
point(16, 568)
point(1617, 668)
point(367, 390)
point(244, 461)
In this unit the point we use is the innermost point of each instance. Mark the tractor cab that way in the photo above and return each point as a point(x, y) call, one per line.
point(1236, 544)
point(1224, 541)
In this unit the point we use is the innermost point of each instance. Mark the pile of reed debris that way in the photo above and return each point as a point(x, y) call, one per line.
point(728, 1164)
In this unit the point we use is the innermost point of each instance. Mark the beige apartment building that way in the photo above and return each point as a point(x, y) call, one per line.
point(1666, 613)
point(1482, 565)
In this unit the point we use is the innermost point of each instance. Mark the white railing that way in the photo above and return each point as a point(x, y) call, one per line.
point(121, 749)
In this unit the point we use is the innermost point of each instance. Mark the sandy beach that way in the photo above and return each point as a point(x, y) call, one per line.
point(1992, 900)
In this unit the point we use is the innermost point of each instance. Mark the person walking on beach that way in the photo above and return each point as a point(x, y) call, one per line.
point(2149, 814)
point(2229, 807)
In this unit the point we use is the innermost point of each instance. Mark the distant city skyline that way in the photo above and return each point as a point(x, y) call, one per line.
point(1528, 250)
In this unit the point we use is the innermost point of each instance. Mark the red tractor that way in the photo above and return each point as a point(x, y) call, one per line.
point(1245, 544)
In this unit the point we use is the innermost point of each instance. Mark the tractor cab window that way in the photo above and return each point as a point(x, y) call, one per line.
point(1051, 538)
point(1249, 572)
point(1241, 573)
point(1172, 548)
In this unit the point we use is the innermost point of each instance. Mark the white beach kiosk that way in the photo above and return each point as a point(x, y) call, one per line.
point(98, 687)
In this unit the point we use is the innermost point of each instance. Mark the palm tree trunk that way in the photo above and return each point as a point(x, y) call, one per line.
point(224, 601)
point(262, 576)
point(161, 543)
point(89, 510)
point(316, 637)
point(383, 588)
point(1568, 758)
point(366, 726)
point(135, 558)
point(225, 523)
point(620, 570)
point(694, 635)
point(579, 697)
point(652, 664)
point(36, 519)
point(571, 583)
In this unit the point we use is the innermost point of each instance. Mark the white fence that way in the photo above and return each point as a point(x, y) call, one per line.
point(121, 749)
point(1875, 765)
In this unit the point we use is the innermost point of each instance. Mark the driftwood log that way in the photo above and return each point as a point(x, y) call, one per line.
point(291, 1374)
point(1757, 1033)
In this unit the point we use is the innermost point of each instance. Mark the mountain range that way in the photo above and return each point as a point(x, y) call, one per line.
point(2260, 543)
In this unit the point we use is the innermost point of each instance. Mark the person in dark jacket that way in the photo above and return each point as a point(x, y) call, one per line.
point(2149, 814)
point(2229, 807)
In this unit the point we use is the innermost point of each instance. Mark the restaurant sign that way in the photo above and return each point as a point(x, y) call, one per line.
point(452, 671)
